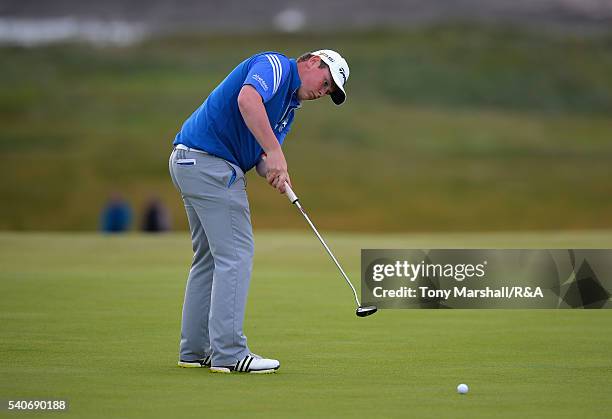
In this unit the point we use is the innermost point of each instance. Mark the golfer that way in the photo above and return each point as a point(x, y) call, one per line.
point(242, 124)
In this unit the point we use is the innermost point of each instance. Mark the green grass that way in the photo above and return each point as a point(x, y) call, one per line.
point(95, 319)
point(446, 128)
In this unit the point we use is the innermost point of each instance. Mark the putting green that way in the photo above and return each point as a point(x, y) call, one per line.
point(95, 320)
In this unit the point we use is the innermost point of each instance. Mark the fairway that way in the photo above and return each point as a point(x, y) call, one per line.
point(95, 320)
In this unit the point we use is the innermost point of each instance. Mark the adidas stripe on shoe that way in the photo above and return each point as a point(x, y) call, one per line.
point(251, 363)
point(198, 363)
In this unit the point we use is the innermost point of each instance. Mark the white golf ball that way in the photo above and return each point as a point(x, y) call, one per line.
point(462, 388)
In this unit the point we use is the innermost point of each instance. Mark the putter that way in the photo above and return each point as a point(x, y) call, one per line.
point(361, 311)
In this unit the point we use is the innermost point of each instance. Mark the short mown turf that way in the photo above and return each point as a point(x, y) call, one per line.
point(95, 320)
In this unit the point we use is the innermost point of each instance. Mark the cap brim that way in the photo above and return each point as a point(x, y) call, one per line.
point(339, 95)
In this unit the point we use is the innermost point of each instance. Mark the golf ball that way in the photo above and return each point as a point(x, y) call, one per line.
point(462, 388)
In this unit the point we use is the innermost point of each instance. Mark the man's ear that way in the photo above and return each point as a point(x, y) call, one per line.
point(314, 61)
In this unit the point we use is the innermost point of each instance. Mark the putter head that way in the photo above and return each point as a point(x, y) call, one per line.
point(365, 311)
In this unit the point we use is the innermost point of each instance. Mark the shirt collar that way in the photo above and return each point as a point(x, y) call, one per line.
point(295, 76)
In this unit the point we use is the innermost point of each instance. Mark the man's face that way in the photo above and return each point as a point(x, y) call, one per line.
point(316, 81)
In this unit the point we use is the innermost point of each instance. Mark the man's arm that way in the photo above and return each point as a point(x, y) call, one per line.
point(254, 115)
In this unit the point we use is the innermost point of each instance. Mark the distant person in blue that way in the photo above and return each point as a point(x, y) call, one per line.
point(116, 216)
point(241, 125)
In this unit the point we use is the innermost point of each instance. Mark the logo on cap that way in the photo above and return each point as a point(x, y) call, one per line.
point(327, 55)
point(341, 71)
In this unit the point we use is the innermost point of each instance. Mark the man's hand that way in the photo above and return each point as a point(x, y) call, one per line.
point(276, 173)
point(274, 170)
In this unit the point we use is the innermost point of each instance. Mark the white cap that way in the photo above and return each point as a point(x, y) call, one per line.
point(339, 70)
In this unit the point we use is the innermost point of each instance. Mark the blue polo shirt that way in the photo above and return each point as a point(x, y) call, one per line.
point(217, 126)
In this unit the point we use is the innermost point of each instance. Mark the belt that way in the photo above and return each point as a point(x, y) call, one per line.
point(184, 147)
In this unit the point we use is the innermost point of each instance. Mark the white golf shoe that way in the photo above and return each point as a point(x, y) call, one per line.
point(251, 363)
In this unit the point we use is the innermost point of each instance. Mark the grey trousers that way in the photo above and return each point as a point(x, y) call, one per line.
point(214, 194)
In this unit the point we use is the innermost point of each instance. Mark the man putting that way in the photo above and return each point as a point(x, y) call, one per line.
point(242, 124)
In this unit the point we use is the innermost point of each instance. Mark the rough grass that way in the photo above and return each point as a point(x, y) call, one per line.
point(455, 127)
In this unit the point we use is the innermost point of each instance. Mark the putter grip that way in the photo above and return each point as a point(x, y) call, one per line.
point(292, 196)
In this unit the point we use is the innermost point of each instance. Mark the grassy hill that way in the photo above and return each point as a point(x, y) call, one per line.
point(446, 128)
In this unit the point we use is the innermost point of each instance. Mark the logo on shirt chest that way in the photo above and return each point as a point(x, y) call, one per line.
point(282, 124)
point(286, 118)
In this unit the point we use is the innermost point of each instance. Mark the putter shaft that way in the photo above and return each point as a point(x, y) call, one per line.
point(294, 200)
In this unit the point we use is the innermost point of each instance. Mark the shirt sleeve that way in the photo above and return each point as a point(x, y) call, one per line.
point(266, 75)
